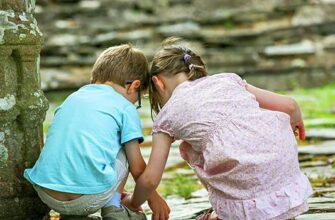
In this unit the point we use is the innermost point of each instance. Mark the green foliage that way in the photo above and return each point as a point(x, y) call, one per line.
point(229, 24)
point(46, 127)
point(316, 103)
point(181, 185)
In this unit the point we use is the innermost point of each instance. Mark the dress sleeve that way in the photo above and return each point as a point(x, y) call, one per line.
point(131, 126)
point(236, 78)
point(163, 124)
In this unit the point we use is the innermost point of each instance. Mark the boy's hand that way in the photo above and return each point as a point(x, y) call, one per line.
point(160, 209)
point(126, 201)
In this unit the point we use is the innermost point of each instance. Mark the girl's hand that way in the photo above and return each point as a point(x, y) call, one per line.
point(299, 129)
point(160, 209)
point(297, 123)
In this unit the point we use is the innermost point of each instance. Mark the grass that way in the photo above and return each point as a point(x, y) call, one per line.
point(316, 103)
point(181, 185)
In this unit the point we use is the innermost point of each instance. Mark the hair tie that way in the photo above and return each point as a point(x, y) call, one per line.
point(190, 66)
point(186, 57)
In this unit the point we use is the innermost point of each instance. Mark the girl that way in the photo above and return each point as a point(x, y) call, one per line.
point(245, 157)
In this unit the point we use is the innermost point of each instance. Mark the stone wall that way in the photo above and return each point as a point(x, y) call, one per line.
point(276, 44)
point(22, 109)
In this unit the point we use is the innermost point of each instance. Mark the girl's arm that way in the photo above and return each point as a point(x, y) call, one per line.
point(137, 166)
point(276, 102)
point(150, 178)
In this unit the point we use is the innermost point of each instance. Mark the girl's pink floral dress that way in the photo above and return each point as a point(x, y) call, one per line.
point(245, 156)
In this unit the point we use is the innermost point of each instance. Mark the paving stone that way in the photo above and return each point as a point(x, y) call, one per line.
point(321, 133)
point(317, 216)
point(327, 148)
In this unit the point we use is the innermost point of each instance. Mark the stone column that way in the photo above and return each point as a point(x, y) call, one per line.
point(22, 108)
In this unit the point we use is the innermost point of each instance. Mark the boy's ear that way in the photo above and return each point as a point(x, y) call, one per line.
point(158, 83)
point(134, 86)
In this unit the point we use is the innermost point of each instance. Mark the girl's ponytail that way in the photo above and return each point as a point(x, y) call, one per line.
point(196, 67)
point(171, 59)
point(196, 72)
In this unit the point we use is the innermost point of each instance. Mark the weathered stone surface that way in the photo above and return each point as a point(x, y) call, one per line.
point(329, 42)
point(321, 133)
point(320, 122)
point(328, 148)
point(318, 216)
point(182, 209)
point(308, 15)
point(22, 108)
point(305, 47)
point(293, 39)
point(187, 29)
point(70, 78)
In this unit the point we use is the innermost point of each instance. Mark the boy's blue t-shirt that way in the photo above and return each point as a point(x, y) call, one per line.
point(87, 132)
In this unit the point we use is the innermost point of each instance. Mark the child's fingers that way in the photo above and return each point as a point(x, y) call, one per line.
point(140, 209)
point(301, 129)
point(302, 133)
point(157, 217)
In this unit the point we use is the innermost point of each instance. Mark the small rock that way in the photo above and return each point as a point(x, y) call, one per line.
point(309, 15)
point(304, 47)
point(187, 29)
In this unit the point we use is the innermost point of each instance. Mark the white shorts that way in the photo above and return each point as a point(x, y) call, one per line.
point(87, 204)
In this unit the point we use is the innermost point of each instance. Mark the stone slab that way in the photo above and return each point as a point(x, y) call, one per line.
point(317, 216)
point(321, 133)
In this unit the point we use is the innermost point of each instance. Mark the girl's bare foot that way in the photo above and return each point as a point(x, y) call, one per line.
point(208, 216)
point(213, 216)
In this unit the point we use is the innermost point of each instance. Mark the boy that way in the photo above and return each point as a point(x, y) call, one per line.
point(95, 134)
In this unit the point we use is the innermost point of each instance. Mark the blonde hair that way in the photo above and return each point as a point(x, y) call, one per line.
point(121, 63)
point(170, 60)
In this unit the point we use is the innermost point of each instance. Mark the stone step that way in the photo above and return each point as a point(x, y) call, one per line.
point(326, 148)
point(182, 209)
point(321, 133)
point(320, 122)
point(317, 216)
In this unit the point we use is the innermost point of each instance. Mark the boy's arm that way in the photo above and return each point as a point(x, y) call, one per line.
point(150, 178)
point(276, 102)
point(136, 166)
